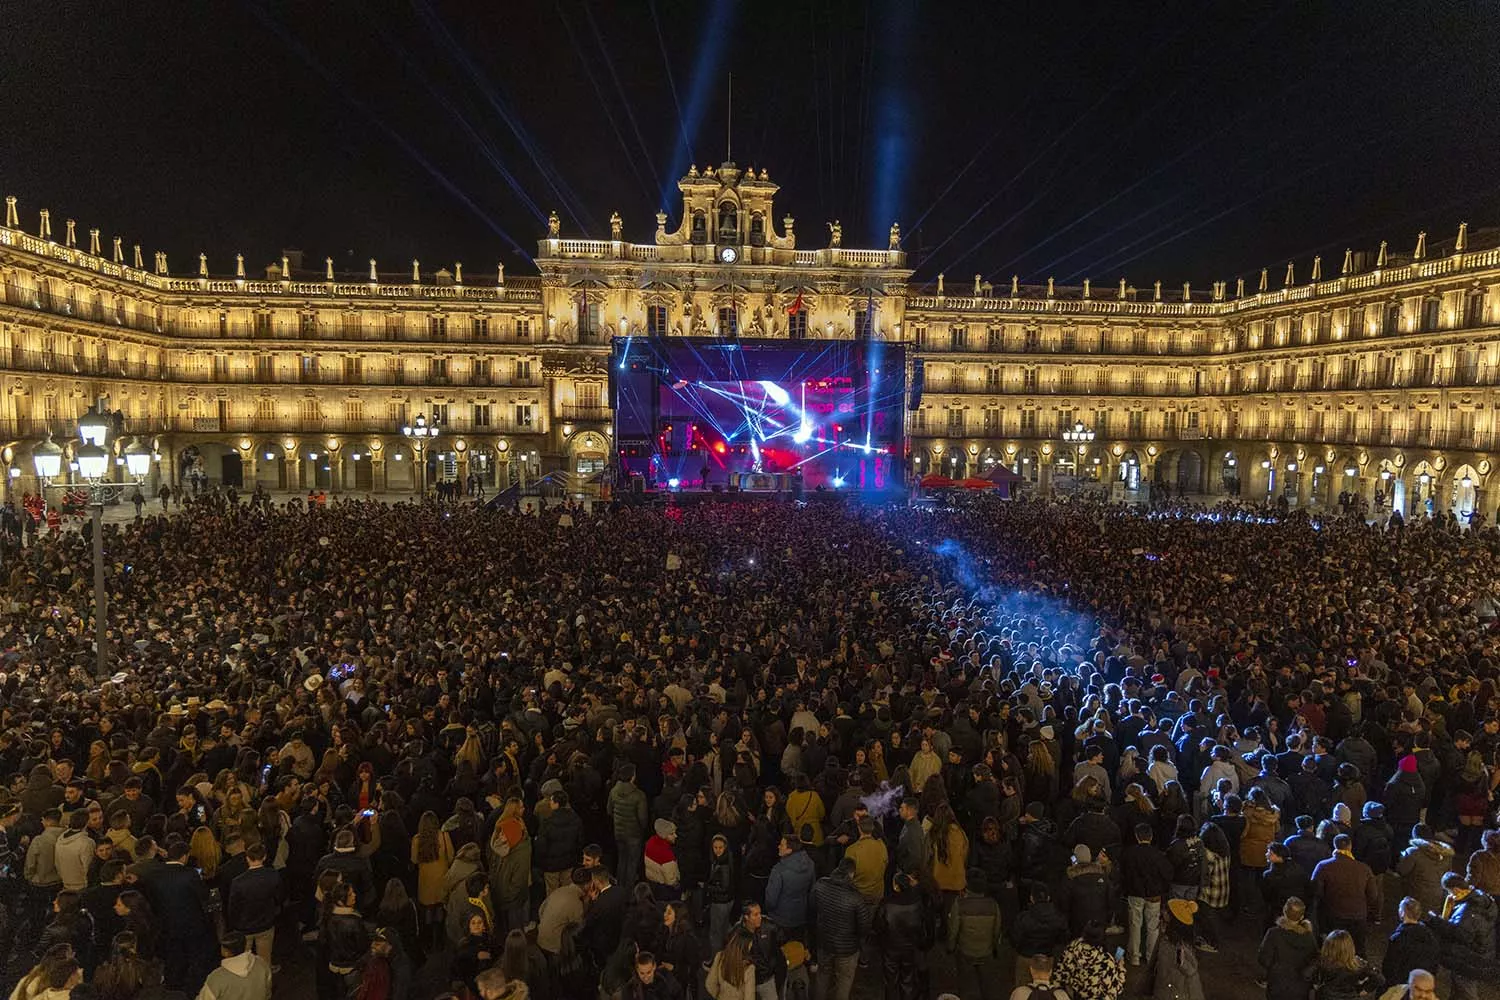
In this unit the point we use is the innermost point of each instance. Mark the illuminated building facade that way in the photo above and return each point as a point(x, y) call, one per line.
point(1380, 374)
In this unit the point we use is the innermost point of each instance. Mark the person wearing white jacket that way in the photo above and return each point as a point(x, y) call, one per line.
point(75, 853)
point(661, 861)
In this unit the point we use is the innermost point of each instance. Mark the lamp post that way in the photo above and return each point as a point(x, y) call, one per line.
point(92, 459)
point(419, 432)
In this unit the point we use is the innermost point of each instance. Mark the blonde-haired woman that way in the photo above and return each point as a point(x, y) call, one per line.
point(1340, 974)
point(204, 850)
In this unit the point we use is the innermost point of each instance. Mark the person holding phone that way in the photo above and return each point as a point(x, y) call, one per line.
point(1087, 970)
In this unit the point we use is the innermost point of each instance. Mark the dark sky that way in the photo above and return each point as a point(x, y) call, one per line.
point(1179, 140)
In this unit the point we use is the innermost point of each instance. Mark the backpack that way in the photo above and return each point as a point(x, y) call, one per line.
point(1041, 992)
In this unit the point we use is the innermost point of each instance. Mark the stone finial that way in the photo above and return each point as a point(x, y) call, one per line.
point(161, 262)
point(940, 284)
point(203, 265)
point(616, 226)
point(327, 268)
point(1348, 266)
point(416, 271)
point(1015, 285)
point(1156, 292)
point(1087, 293)
point(94, 243)
point(1187, 291)
point(788, 225)
point(119, 250)
point(1317, 271)
point(458, 272)
point(500, 273)
point(1462, 243)
point(1291, 274)
point(1265, 280)
point(1239, 288)
point(239, 266)
point(554, 225)
point(1380, 259)
point(1219, 287)
point(1122, 289)
point(70, 233)
point(835, 234)
point(44, 228)
point(1051, 287)
point(895, 239)
point(1421, 252)
point(692, 170)
point(12, 220)
point(374, 278)
point(140, 262)
point(977, 280)
point(286, 268)
point(661, 224)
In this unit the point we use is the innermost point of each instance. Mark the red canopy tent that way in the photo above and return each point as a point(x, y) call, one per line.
point(973, 483)
point(933, 481)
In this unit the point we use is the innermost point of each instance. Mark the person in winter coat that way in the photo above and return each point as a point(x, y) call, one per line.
point(1412, 946)
point(904, 927)
point(1422, 867)
point(559, 841)
point(662, 871)
point(1040, 929)
point(1373, 839)
point(1262, 825)
point(1405, 797)
point(843, 921)
point(510, 868)
point(1340, 974)
point(627, 809)
point(731, 976)
point(1186, 856)
point(1174, 966)
point(950, 850)
point(975, 938)
point(1466, 925)
point(1286, 952)
point(1087, 970)
point(1085, 892)
point(720, 889)
point(75, 852)
point(1305, 846)
point(1145, 878)
point(1283, 879)
point(1484, 864)
point(790, 886)
point(1347, 892)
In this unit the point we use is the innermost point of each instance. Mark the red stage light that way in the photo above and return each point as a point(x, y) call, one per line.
point(720, 447)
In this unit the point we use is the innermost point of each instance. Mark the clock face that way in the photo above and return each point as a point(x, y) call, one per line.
point(728, 255)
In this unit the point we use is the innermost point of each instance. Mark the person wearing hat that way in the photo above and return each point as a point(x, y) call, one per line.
point(975, 938)
point(661, 861)
point(1175, 971)
point(1466, 924)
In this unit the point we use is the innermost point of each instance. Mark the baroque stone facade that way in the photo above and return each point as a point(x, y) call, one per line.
point(1381, 377)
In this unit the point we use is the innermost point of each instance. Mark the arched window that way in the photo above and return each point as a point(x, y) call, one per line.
point(729, 222)
point(757, 230)
point(700, 228)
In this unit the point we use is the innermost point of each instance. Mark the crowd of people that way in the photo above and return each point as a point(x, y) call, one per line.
point(731, 750)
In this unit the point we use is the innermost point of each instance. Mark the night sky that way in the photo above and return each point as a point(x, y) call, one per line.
point(1175, 140)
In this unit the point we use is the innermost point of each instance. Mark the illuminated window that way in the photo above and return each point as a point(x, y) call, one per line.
point(796, 325)
point(479, 328)
point(524, 413)
point(656, 321)
point(481, 414)
point(523, 329)
point(728, 322)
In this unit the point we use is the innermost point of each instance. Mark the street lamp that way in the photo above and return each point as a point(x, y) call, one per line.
point(1078, 434)
point(419, 432)
point(93, 465)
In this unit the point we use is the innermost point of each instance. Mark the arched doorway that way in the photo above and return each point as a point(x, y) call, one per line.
point(359, 472)
point(1130, 471)
point(482, 466)
point(210, 463)
point(1229, 474)
point(590, 455)
point(955, 463)
point(1424, 480)
point(987, 460)
point(1390, 491)
point(317, 468)
point(1027, 464)
point(1291, 479)
point(1464, 494)
point(400, 470)
point(1189, 472)
point(270, 466)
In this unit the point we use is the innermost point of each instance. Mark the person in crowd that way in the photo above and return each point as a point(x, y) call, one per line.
point(1037, 982)
point(1339, 973)
point(1174, 966)
point(843, 923)
point(1346, 891)
point(1287, 952)
point(1412, 946)
point(241, 975)
point(1466, 925)
point(1087, 969)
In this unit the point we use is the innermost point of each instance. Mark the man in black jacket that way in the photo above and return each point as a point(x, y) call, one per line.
point(1412, 946)
point(254, 902)
point(352, 868)
point(1283, 878)
point(1145, 875)
point(559, 841)
point(843, 922)
point(179, 898)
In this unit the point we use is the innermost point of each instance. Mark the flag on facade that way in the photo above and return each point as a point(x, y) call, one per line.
point(796, 306)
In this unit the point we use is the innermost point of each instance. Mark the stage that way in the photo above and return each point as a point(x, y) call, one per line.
point(745, 417)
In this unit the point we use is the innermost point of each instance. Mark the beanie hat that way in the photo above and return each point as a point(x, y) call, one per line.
point(1408, 764)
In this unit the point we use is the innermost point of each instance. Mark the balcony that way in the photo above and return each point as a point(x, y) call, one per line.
point(580, 413)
